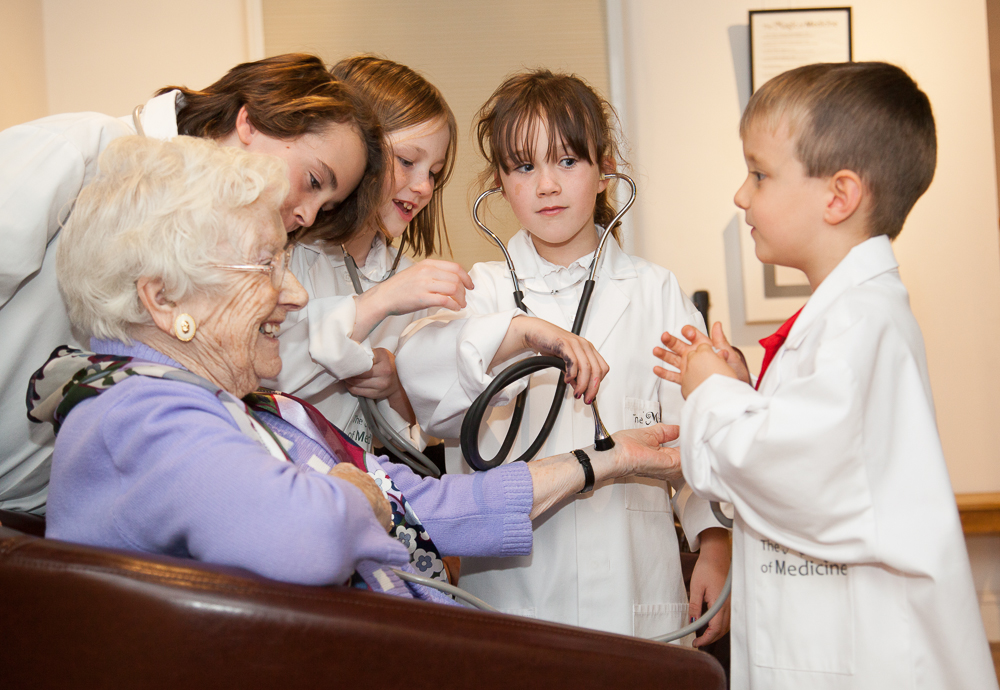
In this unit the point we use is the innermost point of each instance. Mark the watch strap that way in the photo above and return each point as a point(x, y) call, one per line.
point(588, 471)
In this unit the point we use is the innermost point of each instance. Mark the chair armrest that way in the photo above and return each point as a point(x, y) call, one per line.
point(80, 616)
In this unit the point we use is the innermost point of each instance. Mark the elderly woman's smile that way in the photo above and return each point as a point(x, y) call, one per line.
point(236, 342)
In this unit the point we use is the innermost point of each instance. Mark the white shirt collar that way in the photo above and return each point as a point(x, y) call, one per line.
point(540, 275)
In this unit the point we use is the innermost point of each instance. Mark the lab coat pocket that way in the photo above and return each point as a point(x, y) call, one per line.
point(654, 620)
point(644, 494)
point(638, 413)
point(804, 612)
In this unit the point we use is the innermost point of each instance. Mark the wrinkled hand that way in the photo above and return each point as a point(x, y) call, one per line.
point(585, 368)
point(639, 452)
point(429, 283)
point(698, 359)
point(379, 503)
point(707, 581)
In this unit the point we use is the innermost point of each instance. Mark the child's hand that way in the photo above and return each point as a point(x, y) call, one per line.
point(696, 361)
point(584, 365)
point(381, 381)
point(707, 580)
point(430, 283)
point(678, 348)
point(733, 356)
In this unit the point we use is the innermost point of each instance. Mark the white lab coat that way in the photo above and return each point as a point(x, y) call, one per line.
point(850, 565)
point(607, 560)
point(317, 352)
point(43, 166)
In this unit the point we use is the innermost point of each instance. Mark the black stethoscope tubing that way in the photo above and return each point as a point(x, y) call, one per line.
point(469, 438)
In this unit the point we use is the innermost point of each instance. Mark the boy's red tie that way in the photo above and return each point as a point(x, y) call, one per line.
point(773, 343)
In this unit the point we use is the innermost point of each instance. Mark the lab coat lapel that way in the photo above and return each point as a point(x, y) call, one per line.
point(611, 294)
point(865, 261)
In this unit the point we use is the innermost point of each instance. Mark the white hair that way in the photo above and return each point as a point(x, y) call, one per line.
point(163, 210)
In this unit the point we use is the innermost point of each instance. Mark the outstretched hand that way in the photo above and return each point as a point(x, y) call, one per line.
point(636, 452)
point(427, 284)
point(640, 452)
point(697, 358)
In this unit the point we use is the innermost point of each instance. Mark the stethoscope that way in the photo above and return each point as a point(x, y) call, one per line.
point(377, 424)
point(469, 438)
point(602, 439)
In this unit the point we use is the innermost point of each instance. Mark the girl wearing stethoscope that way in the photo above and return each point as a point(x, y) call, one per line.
point(340, 348)
point(608, 559)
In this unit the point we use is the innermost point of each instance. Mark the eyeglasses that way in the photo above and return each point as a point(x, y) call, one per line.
point(276, 267)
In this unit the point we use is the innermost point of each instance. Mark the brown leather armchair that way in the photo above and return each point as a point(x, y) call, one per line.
point(79, 616)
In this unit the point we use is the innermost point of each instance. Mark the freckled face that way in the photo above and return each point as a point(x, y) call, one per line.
point(554, 199)
point(781, 202)
point(236, 340)
point(419, 157)
point(323, 170)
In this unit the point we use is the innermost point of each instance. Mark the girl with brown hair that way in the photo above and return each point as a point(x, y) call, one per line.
point(608, 558)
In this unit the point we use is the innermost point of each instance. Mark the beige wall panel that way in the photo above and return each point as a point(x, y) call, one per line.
point(22, 62)
point(110, 55)
point(465, 49)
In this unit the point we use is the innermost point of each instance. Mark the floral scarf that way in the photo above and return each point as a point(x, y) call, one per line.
point(71, 376)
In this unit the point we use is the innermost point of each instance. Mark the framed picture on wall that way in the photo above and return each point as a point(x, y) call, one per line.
point(781, 40)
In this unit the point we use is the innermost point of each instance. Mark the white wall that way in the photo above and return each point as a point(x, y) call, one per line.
point(688, 81)
point(111, 55)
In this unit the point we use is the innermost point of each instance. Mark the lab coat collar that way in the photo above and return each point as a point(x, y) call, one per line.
point(611, 294)
point(159, 115)
point(871, 258)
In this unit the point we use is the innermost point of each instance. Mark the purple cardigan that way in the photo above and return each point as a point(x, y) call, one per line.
point(160, 466)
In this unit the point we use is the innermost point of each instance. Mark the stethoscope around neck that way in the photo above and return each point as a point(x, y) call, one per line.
point(602, 439)
point(469, 438)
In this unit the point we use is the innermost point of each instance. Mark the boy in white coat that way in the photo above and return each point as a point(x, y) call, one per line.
point(850, 569)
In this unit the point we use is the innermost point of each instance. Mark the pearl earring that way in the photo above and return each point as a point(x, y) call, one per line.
point(185, 327)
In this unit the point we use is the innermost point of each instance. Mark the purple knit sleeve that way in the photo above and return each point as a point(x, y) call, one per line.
point(481, 514)
point(182, 479)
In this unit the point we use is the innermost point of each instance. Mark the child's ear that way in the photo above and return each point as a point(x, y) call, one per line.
point(498, 183)
point(608, 166)
point(847, 191)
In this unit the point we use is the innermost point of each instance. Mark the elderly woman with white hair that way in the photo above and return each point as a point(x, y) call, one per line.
point(175, 262)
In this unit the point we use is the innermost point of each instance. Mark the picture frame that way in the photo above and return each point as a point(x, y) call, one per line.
point(781, 40)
